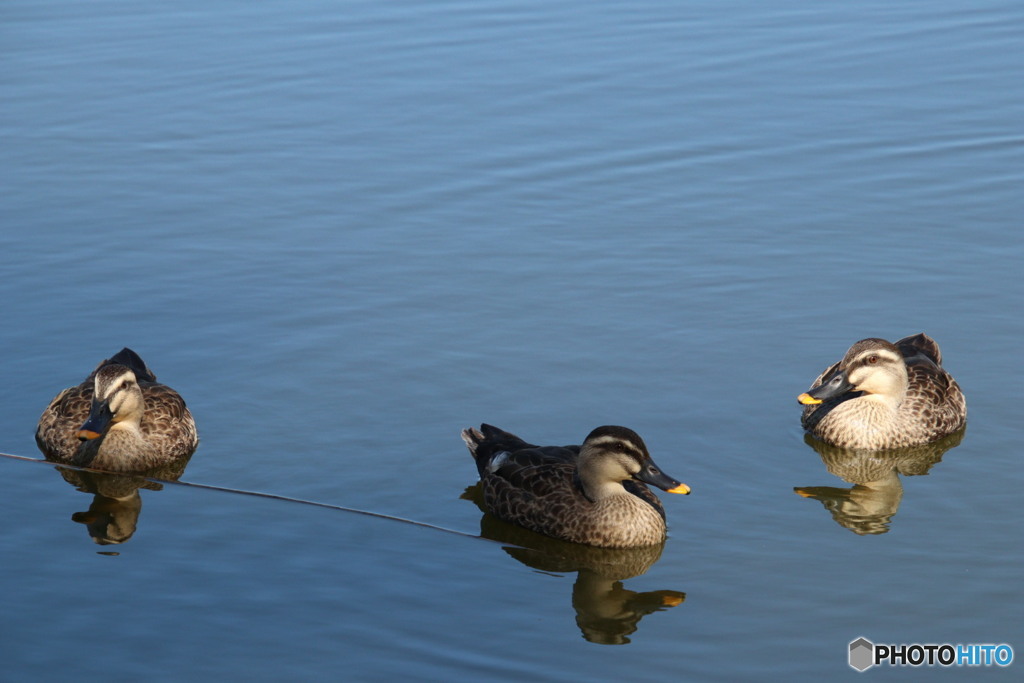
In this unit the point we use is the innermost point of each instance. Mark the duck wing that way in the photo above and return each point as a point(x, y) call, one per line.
point(918, 345)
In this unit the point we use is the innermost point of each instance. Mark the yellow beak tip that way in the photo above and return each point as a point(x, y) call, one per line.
point(808, 400)
point(682, 489)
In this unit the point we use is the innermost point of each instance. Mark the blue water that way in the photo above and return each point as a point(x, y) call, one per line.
point(345, 231)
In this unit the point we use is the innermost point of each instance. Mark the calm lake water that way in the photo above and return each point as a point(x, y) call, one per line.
point(345, 231)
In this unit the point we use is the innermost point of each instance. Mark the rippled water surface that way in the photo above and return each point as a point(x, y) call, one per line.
point(345, 231)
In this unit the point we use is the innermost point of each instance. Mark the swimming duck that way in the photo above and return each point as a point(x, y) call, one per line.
point(883, 395)
point(120, 419)
point(592, 494)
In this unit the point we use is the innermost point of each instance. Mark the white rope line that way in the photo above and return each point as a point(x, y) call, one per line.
point(257, 494)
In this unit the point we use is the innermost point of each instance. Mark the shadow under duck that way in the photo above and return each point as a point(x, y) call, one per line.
point(883, 395)
point(119, 419)
point(592, 494)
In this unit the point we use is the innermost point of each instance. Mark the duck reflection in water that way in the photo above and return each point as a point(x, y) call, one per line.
point(869, 506)
point(607, 612)
point(113, 514)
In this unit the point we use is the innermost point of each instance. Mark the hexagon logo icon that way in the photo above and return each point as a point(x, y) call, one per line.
point(862, 654)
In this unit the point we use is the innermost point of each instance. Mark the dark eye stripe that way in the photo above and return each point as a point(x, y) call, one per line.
point(875, 358)
point(620, 446)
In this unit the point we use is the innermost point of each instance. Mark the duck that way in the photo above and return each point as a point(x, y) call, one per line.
point(594, 494)
point(885, 395)
point(119, 419)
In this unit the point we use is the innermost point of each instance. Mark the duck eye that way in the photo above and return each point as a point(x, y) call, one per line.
point(872, 359)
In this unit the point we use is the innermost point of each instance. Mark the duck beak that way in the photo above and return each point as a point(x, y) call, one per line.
point(99, 419)
point(835, 385)
point(655, 477)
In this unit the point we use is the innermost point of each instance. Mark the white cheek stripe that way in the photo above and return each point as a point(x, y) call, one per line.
point(605, 441)
point(884, 354)
point(128, 376)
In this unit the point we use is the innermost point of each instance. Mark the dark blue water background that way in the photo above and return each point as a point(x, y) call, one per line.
point(345, 231)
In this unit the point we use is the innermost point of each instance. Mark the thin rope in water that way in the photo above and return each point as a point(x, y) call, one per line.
point(259, 494)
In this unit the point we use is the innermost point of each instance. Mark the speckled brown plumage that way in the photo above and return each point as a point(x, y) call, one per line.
point(163, 433)
point(920, 401)
point(583, 494)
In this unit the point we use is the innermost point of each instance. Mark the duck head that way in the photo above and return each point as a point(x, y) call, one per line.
point(872, 366)
point(611, 455)
point(116, 398)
